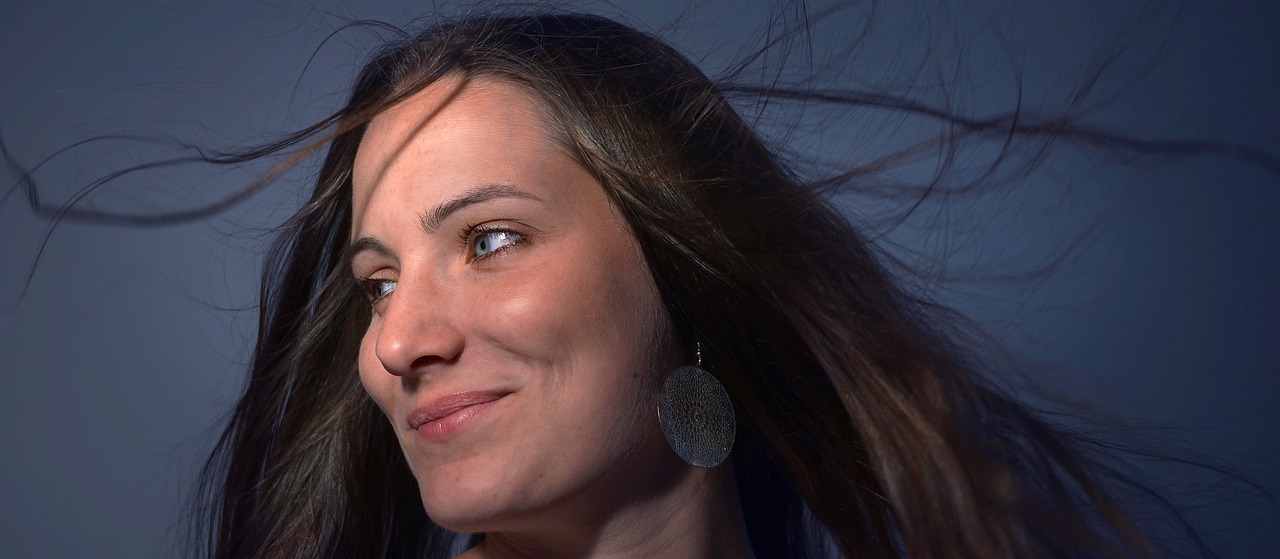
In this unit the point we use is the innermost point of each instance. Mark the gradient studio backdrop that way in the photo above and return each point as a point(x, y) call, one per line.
point(131, 344)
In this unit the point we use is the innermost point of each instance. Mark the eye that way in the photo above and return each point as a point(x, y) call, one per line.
point(483, 241)
point(376, 288)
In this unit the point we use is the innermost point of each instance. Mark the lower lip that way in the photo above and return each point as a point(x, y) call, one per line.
point(448, 425)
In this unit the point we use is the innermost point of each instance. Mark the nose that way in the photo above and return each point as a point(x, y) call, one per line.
point(417, 332)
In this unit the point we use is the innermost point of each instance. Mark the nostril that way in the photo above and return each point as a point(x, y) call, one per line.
point(416, 331)
point(425, 362)
point(416, 349)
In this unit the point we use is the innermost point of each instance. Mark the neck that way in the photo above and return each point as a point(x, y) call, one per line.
point(697, 516)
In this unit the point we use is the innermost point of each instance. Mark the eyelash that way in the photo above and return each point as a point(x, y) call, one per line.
point(369, 286)
point(471, 234)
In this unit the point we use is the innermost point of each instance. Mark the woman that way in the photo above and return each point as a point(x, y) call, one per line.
point(525, 229)
point(316, 466)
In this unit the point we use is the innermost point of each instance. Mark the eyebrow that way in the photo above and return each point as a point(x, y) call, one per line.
point(432, 219)
point(365, 243)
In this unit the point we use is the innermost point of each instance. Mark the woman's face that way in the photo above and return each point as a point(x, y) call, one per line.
point(517, 338)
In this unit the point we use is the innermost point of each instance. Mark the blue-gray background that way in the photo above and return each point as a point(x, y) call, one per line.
point(1161, 306)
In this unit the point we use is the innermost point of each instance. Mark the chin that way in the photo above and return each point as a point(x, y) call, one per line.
point(486, 517)
point(459, 516)
point(469, 504)
point(457, 520)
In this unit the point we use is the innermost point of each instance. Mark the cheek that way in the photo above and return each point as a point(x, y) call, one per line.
point(579, 311)
point(603, 321)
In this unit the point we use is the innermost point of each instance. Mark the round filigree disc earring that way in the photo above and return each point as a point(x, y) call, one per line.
point(696, 415)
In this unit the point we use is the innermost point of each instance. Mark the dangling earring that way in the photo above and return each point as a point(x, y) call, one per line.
point(696, 415)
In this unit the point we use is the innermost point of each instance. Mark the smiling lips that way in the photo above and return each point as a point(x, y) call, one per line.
point(447, 414)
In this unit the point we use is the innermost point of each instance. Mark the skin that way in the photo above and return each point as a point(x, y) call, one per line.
point(497, 264)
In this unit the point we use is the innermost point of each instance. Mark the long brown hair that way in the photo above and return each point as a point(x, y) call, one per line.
point(863, 422)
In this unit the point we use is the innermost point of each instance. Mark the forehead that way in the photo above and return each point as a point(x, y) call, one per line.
point(459, 129)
